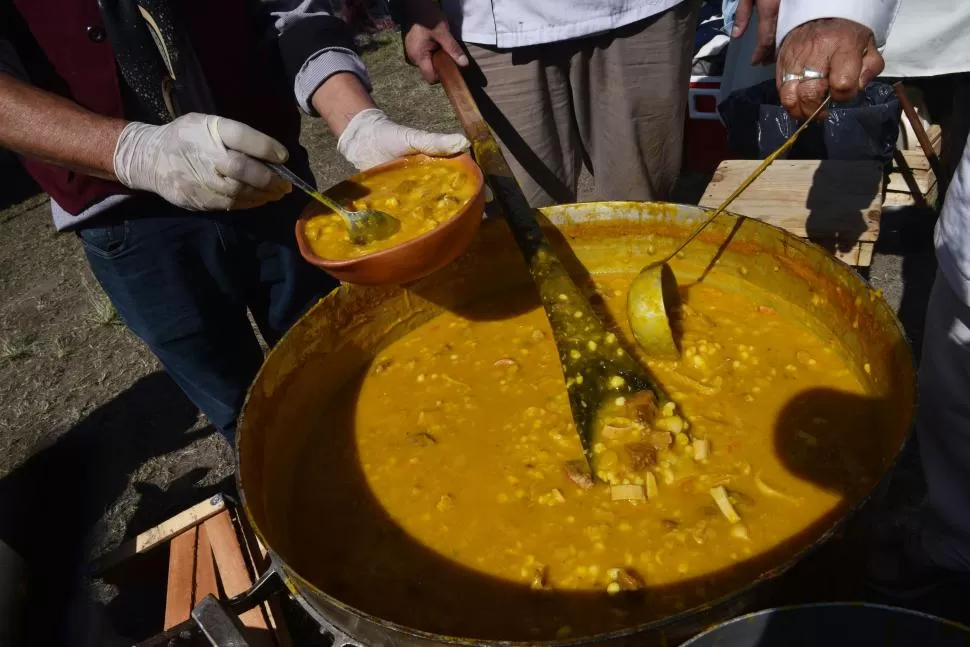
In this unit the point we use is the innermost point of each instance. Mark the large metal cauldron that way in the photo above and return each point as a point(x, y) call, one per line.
point(342, 334)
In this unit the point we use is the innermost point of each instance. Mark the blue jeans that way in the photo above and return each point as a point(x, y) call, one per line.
point(182, 282)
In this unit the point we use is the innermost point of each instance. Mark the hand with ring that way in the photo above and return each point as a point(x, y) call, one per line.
point(832, 55)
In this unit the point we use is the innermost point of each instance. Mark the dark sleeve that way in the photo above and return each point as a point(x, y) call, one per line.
point(303, 28)
point(9, 62)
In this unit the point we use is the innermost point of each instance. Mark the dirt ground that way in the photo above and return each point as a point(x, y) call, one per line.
point(67, 365)
point(97, 438)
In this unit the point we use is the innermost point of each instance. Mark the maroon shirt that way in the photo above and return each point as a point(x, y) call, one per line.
point(62, 46)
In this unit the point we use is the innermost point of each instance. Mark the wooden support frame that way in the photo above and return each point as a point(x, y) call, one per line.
point(210, 552)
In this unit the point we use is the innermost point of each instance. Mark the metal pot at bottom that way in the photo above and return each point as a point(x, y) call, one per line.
point(837, 624)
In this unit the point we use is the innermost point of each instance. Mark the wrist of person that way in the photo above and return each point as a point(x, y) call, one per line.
point(340, 99)
point(360, 127)
point(132, 141)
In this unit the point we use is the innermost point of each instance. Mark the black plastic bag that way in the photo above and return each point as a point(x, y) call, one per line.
point(863, 129)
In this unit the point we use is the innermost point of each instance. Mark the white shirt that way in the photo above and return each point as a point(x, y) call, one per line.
point(953, 229)
point(518, 23)
point(927, 38)
point(877, 15)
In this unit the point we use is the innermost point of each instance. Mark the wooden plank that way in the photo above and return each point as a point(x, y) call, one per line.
point(179, 594)
point(896, 199)
point(205, 569)
point(810, 198)
point(161, 533)
point(910, 173)
point(924, 182)
point(857, 254)
point(235, 575)
point(914, 159)
point(849, 256)
point(866, 250)
point(935, 133)
point(908, 186)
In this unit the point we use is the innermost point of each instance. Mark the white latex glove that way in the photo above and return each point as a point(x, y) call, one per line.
point(371, 138)
point(201, 162)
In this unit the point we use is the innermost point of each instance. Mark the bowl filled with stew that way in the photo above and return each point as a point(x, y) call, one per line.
point(439, 202)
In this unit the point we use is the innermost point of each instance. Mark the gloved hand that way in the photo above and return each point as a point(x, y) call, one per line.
point(201, 162)
point(371, 138)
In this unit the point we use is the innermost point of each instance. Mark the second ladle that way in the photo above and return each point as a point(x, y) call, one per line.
point(652, 299)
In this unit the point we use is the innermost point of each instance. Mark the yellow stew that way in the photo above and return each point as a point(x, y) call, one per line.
point(446, 488)
point(422, 195)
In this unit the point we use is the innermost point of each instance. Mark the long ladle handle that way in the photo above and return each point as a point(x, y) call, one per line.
point(588, 367)
point(747, 181)
point(305, 186)
point(519, 215)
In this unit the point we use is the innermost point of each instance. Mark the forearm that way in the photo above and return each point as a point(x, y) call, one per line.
point(339, 99)
point(39, 124)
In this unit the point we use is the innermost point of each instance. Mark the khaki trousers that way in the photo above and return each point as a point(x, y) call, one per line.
point(615, 102)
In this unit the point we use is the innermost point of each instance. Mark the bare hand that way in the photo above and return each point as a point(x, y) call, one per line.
point(427, 33)
point(764, 52)
point(842, 50)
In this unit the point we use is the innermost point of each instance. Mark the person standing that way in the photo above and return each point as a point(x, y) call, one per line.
point(834, 45)
point(563, 84)
point(183, 226)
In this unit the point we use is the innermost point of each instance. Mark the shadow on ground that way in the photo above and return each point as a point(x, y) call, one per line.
point(908, 233)
point(51, 505)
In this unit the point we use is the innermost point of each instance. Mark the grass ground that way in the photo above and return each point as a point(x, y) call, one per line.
point(102, 441)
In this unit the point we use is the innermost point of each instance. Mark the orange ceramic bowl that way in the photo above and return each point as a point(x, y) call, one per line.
point(412, 259)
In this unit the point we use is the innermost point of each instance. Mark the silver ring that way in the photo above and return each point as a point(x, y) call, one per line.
point(788, 76)
point(809, 73)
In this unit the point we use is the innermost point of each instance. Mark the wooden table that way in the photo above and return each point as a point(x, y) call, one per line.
point(835, 204)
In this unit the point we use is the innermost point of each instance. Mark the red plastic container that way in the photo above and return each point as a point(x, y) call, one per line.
point(705, 139)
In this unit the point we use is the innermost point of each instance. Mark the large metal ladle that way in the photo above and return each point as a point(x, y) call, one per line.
point(597, 370)
point(652, 298)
